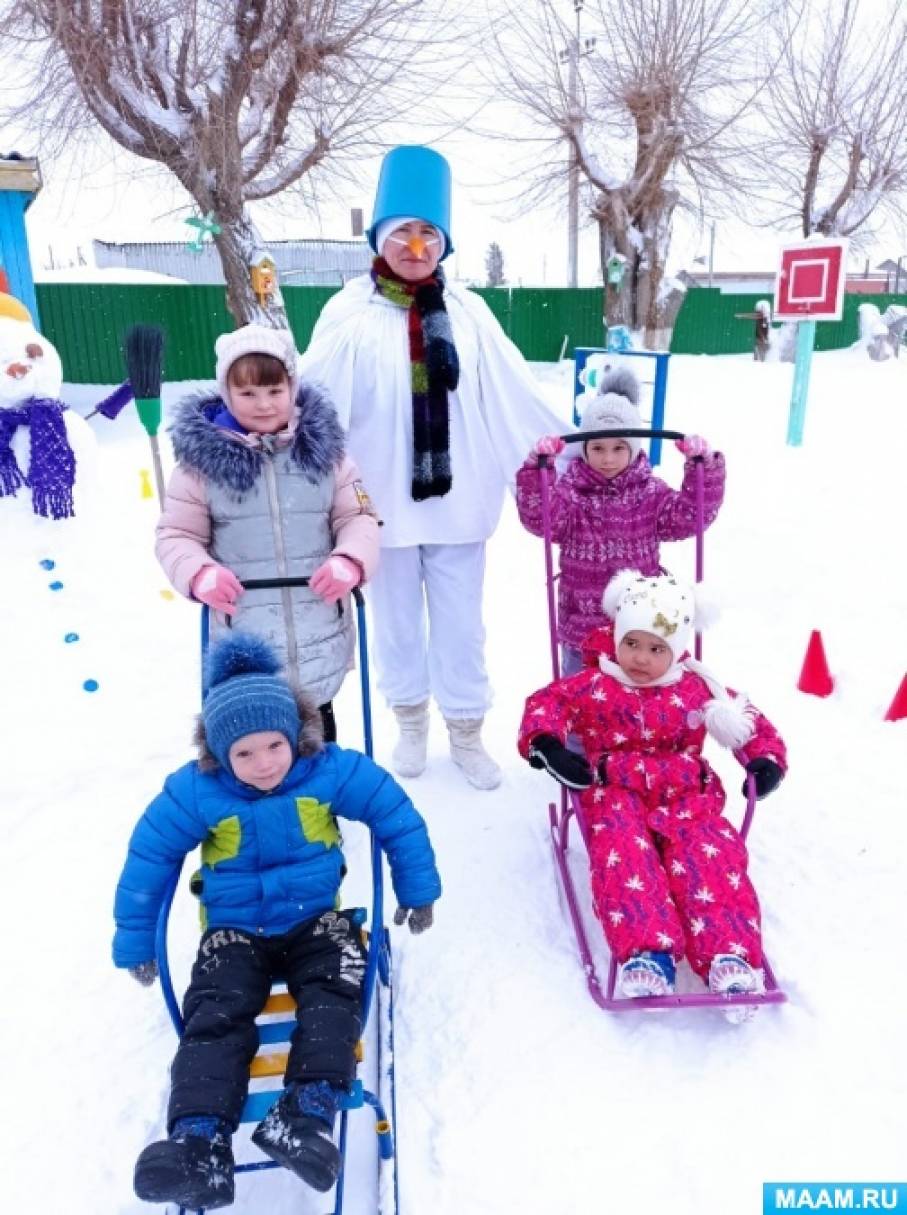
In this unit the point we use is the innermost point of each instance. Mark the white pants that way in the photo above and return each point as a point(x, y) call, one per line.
point(428, 634)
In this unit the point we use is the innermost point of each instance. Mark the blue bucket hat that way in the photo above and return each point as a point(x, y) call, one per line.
point(414, 181)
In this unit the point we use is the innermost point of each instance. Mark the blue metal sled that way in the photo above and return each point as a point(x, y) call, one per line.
point(377, 990)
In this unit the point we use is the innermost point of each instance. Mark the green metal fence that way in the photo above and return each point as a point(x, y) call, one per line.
point(706, 323)
point(539, 319)
point(87, 322)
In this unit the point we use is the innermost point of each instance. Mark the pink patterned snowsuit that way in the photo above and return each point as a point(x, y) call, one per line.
point(668, 870)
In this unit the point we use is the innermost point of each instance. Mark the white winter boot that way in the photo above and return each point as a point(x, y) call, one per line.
point(467, 752)
point(729, 975)
point(411, 751)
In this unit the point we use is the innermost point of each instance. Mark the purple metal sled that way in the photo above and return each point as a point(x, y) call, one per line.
point(560, 816)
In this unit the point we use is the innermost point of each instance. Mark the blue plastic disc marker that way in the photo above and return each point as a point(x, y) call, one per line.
point(91, 685)
point(47, 564)
point(55, 586)
point(70, 637)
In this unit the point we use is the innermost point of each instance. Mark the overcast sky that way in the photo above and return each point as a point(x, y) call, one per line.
point(125, 200)
point(116, 197)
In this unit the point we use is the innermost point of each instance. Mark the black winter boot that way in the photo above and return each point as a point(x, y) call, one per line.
point(193, 1170)
point(302, 1142)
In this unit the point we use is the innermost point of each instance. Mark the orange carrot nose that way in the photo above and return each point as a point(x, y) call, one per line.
point(416, 245)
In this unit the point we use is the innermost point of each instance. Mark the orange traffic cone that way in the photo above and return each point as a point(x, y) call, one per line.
point(815, 677)
point(897, 710)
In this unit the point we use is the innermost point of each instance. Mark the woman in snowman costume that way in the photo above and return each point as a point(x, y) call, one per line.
point(439, 407)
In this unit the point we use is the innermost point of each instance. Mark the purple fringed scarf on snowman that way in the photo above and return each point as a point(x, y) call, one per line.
point(52, 468)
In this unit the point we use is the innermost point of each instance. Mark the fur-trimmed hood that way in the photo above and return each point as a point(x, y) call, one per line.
point(233, 461)
point(311, 736)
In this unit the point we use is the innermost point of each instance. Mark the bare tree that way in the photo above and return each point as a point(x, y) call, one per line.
point(649, 113)
point(494, 265)
point(238, 99)
point(836, 148)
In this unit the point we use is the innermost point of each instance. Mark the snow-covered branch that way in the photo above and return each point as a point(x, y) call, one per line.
point(238, 99)
point(835, 114)
point(644, 102)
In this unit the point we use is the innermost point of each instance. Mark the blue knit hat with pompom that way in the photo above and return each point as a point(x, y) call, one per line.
point(246, 695)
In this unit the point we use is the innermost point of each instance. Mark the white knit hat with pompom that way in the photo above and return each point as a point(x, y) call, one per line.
point(671, 610)
point(616, 407)
point(660, 605)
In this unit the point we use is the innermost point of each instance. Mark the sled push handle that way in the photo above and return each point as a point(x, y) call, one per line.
point(618, 432)
point(269, 584)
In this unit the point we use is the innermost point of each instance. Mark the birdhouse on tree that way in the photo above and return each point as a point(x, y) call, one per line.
point(265, 281)
point(616, 266)
point(20, 181)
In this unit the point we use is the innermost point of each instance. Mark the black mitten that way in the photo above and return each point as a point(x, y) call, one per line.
point(572, 770)
point(767, 774)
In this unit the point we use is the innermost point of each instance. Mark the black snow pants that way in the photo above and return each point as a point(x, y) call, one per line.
point(322, 962)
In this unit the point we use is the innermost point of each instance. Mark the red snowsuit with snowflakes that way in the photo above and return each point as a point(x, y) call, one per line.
point(668, 871)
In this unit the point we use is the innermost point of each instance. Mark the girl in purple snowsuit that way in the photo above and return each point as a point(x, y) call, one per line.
point(608, 510)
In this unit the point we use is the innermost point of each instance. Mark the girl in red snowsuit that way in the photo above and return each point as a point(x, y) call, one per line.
point(668, 870)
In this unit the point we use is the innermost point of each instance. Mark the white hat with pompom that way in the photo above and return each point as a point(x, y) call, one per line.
point(616, 407)
point(660, 605)
point(671, 610)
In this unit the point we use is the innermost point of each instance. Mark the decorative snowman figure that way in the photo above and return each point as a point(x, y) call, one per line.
point(48, 510)
point(48, 453)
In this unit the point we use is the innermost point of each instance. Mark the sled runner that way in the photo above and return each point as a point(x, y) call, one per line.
point(562, 815)
point(276, 1021)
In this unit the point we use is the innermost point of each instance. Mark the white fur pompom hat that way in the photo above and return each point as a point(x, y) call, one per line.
point(660, 605)
point(255, 339)
point(668, 608)
point(616, 406)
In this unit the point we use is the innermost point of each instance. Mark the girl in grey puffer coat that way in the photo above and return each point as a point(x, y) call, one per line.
point(263, 488)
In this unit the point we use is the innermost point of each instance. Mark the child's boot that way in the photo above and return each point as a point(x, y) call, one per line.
point(297, 1133)
point(410, 754)
point(729, 975)
point(650, 973)
point(468, 753)
point(193, 1167)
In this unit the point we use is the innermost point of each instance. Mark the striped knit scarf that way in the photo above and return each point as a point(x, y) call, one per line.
point(52, 467)
point(434, 371)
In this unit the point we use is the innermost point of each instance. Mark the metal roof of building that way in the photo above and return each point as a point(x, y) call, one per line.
point(300, 262)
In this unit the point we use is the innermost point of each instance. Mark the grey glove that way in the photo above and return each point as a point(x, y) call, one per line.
point(420, 918)
point(145, 973)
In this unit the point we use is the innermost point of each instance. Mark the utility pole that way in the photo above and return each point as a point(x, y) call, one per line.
point(571, 55)
point(711, 251)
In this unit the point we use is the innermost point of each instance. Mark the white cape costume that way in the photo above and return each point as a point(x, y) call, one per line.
point(360, 352)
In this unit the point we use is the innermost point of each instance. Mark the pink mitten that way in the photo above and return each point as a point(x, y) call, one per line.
point(547, 445)
point(218, 587)
point(335, 578)
point(693, 445)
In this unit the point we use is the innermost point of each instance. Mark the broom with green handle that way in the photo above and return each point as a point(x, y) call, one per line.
point(144, 366)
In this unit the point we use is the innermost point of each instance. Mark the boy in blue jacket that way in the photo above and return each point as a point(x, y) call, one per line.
point(262, 801)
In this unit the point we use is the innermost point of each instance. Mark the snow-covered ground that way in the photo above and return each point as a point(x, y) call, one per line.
point(517, 1096)
point(103, 274)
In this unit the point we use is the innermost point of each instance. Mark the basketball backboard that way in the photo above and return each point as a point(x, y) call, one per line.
point(810, 281)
